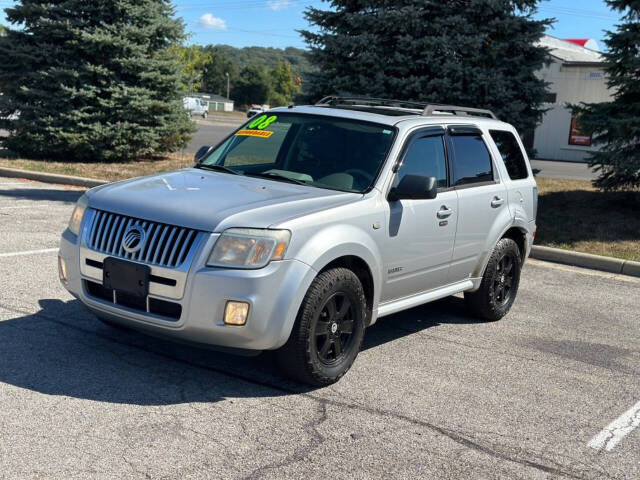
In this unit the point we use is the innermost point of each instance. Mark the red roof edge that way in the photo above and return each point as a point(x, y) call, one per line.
point(578, 41)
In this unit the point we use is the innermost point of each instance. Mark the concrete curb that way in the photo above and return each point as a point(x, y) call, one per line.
point(586, 260)
point(51, 178)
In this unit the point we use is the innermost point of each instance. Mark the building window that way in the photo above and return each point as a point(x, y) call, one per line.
point(551, 98)
point(576, 134)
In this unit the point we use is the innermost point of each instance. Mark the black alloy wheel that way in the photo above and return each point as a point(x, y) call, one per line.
point(334, 329)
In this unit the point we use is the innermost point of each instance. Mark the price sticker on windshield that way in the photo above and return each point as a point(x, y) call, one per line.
point(254, 133)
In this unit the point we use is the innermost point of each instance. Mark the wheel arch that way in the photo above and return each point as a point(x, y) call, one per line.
point(518, 234)
point(362, 270)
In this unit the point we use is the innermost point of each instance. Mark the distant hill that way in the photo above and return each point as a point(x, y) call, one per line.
point(267, 57)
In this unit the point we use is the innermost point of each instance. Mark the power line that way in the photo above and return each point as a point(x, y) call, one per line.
point(577, 12)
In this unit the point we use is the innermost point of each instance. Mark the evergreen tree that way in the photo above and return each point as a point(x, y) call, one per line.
point(476, 53)
point(615, 125)
point(92, 80)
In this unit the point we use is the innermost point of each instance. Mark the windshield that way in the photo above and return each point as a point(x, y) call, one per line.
point(321, 151)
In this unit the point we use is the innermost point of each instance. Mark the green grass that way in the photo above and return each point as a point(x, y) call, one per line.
point(575, 216)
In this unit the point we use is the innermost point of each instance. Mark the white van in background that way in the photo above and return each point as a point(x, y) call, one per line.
point(196, 106)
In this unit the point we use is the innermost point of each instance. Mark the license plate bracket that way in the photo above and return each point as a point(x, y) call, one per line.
point(126, 276)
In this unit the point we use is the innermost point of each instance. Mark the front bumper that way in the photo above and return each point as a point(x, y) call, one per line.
point(274, 294)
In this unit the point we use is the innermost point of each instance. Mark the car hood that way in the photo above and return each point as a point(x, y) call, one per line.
point(212, 201)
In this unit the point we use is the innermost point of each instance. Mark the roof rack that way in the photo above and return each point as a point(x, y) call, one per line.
point(435, 109)
point(423, 108)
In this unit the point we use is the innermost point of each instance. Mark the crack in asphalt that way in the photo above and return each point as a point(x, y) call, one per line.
point(458, 438)
point(302, 452)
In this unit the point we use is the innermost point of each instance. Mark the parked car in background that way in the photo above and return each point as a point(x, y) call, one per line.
point(306, 225)
point(196, 106)
point(255, 110)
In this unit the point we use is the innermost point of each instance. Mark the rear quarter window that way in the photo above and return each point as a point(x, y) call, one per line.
point(511, 154)
point(472, 162)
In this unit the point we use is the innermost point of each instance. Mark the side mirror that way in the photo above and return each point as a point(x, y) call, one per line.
point(415, 187)
point(202, 151)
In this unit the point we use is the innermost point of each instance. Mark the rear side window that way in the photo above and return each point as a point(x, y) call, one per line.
point(472, 162)
point(425, 157)
point(511, 154)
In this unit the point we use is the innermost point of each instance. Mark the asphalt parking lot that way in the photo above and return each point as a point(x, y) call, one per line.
point(548, 392)
point(211, 131)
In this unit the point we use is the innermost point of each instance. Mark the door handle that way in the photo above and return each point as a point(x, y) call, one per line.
point(496, 202)
point(444, 212)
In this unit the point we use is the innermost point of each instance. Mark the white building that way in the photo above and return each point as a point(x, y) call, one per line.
point(217, 103)
point(576, 74)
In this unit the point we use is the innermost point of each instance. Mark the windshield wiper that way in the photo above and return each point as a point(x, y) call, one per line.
point(217, 168)
point(275, 176)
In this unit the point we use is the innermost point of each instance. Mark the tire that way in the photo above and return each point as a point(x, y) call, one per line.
point(328, 332)
point(498, 290)
point(205, 115)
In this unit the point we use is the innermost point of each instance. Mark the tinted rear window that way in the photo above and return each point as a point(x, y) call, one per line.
point(511, 154)
point(472, 160)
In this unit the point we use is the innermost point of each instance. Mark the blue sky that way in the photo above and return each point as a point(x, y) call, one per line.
point(274, 22)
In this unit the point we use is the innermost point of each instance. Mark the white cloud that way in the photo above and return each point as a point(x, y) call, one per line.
point(209, 21)
point(279, 4)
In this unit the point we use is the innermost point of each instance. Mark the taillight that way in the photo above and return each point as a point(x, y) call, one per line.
point(535, 203)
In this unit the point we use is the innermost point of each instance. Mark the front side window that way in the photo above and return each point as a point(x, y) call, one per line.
point(426, 157)
point(511, 154)
point(472, 160)
point(325, 152)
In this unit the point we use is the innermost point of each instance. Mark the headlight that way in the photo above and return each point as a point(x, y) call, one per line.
point(78, 213)
point(249, 248)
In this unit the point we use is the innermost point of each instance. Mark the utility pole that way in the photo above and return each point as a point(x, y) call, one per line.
point(227, 74)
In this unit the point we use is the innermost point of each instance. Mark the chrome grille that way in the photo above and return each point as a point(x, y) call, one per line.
point(165, 245)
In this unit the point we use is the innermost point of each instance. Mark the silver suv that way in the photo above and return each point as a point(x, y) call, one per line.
point(306, 225)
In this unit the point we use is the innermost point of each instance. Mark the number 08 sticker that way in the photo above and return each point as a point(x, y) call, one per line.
point(262, 122)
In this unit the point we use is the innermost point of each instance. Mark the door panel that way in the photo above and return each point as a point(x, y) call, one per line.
point(419, 245)
point(421, 233)
point(483, 207)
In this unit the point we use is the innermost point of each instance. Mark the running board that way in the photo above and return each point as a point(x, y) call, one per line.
point(410, 302)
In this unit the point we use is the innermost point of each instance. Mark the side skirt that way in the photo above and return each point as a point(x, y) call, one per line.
point(395, 306)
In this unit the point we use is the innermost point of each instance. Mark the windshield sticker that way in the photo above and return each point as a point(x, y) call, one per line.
point(262, 122)
point(386, 132)
point(254, 133)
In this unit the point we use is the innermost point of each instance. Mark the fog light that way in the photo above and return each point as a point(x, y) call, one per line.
point(235, 313)
point(62, 270)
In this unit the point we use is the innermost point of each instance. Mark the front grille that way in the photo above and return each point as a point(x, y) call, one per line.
point(165, 245)
point(162, 308)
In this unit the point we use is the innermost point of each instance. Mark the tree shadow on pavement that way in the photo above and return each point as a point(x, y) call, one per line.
point(64, 350)
point(42, 194)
